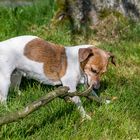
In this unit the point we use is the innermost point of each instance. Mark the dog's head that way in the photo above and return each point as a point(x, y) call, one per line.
point(94, 62)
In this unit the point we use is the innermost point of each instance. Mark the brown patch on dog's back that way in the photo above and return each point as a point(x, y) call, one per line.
point(53, 56)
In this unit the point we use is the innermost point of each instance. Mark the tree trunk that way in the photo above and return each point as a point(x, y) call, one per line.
point(129, 8)
point(85, 12)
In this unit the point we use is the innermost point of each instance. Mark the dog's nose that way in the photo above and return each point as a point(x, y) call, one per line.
point(96, 85)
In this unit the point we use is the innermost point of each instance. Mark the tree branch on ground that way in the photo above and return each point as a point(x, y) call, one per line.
point(59, 92)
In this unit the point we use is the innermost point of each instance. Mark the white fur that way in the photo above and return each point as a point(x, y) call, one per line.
point(74, 75)
point(12, 57)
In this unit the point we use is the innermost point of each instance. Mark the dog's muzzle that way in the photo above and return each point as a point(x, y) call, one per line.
point(96, 84)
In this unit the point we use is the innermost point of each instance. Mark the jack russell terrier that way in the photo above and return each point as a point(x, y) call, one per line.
point(51, 64)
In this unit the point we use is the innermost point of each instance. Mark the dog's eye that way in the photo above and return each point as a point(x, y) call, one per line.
point(93, 70)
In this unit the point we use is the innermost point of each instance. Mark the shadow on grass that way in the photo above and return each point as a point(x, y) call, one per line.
point(54, 116)
point(49, 119)
point(128, 103)
point(26, 83)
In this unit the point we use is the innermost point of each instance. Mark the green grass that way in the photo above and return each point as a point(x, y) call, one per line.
point(58, 120)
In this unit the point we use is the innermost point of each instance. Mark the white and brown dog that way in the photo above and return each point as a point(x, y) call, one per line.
point(51, 64)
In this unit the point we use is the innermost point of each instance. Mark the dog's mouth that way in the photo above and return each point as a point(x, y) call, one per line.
point(94, 91)
point(95, 83)
point(94, 87)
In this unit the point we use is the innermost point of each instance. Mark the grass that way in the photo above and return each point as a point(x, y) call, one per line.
point(119, 120)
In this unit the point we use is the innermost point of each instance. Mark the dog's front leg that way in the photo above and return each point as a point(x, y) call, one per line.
point(76, 100)
point(78, 103)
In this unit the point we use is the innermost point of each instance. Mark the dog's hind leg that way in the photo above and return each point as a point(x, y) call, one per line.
point(4, 87)
point(16, 80)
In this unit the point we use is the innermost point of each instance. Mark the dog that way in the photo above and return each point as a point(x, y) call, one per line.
point(51, 64)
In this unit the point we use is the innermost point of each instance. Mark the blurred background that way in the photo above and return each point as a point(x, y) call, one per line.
point(106, 20)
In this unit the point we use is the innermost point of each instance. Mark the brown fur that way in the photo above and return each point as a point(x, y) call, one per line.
point(84, 53)
point(95, 64)
point(53, 56)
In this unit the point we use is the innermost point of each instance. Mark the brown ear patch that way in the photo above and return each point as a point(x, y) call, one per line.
point(53, 56)
point(84, 53)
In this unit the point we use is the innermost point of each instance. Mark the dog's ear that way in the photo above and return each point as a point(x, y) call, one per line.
point(84, 53)
point(112, 57)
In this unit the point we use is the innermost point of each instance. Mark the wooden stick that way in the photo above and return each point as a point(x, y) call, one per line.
point(14, 116)
point(59, 92)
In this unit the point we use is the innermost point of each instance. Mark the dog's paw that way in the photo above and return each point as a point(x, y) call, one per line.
point(85, 117)
point(19, 92)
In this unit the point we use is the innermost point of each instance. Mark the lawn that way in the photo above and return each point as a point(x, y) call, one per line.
point(58, 120)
